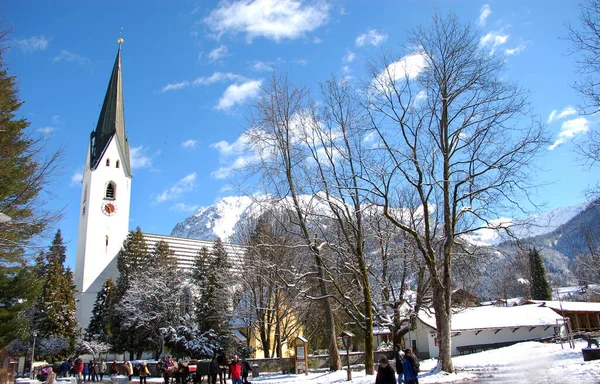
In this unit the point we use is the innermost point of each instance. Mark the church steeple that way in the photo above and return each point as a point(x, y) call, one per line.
point(111, 123)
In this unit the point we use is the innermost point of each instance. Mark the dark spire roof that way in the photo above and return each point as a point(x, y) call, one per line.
point(111, 123)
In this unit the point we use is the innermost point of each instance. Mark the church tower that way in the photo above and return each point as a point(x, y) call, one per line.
point(105, 198)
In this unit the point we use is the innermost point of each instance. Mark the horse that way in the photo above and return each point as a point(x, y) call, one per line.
point(223, 368)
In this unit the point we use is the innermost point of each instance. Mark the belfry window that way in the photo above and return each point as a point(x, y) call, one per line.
point(117, 164)
point(108, 162)
point(110, 191)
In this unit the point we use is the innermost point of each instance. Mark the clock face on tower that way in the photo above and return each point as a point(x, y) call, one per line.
point(109, 208)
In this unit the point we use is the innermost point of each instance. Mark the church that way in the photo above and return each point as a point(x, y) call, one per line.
point(106, 201)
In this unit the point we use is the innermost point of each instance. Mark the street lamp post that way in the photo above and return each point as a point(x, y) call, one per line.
point(33, 354)
point(347, 340)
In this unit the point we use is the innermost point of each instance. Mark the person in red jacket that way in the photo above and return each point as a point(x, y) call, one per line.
point(79, 370)
point(235, 369)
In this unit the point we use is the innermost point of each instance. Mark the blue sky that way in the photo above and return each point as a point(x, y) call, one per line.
point(191, 68)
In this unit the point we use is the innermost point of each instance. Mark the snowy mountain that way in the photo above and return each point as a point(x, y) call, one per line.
point(224, 218)
point(218, 220)
point(532, 226)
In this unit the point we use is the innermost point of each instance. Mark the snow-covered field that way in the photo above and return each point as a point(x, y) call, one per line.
point(521, 363)
point(530, 362)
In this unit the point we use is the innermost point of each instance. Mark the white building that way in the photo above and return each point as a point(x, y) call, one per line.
point(106, 202)
point(489, 327)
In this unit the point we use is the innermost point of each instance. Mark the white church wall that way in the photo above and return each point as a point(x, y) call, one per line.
point(100, 235)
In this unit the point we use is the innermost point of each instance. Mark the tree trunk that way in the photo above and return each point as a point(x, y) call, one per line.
point(443, 324)
point(369, 342)
point(335, 361)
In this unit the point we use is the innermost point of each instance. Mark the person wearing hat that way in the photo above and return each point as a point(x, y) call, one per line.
point(144, 373)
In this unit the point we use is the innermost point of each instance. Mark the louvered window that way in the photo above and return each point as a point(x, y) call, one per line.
point(110, 191)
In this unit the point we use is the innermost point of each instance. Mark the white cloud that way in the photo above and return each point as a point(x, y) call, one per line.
point(76, 179)
point(218, 53)
point(483, 14)
point(45, 130)
point(234, 155)
point(349, 56)
point(175, 86)
point(217, 77)
point(407, 67)
point(262, 66)
point(346, 69)
point(302, 62)
point(182, 186)
point(516, 50)
point(271, 19)
point(189, 144)
point(493, 40)
point(570, 129)
point(183, 207)
point(56, 119)
point(139, 159)
point(317, 40)
point(32, 44)
point(70, 57)
point(371, 37)
point(226, 149)
point(239, 93)
point(558, 115)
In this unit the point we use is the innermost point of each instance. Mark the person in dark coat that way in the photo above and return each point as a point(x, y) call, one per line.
point(385, 372)
point(399, 358)
point(213, 371)
point(410, 367)
point(246, 368)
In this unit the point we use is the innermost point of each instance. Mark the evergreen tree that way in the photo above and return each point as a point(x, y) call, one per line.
point(99, 327)
point(18, 292)
point(26, 168)
point(55, 309)
point(131, 260)
point(540, 288)
point(212, 276)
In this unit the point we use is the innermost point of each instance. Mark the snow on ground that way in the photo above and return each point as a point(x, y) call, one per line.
point(528, 362)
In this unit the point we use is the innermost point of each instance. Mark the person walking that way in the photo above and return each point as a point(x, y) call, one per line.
point(92, 371)
point(246, 368)
point(399, 358)
point(385, 372)
point(213, 370)
point(79, 370)
point(410, 367)
point(129, 369)
point(235, 370)
point(144, 373)
point(102, 369)
point(65, 367)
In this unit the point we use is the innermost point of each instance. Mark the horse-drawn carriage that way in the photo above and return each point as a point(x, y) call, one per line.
point(183, 372)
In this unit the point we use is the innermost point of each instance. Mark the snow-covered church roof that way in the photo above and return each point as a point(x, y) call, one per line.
point(186, 249)
point(490, 317)
point(568, 306)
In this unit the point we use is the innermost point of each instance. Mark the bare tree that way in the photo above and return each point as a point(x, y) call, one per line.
point(275, 138)
point(268, 306)
point(586, 48)
point(455, 141)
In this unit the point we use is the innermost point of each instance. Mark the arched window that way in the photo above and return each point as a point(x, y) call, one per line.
point(111, 190)
point(108, 162)
point(118, 163)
